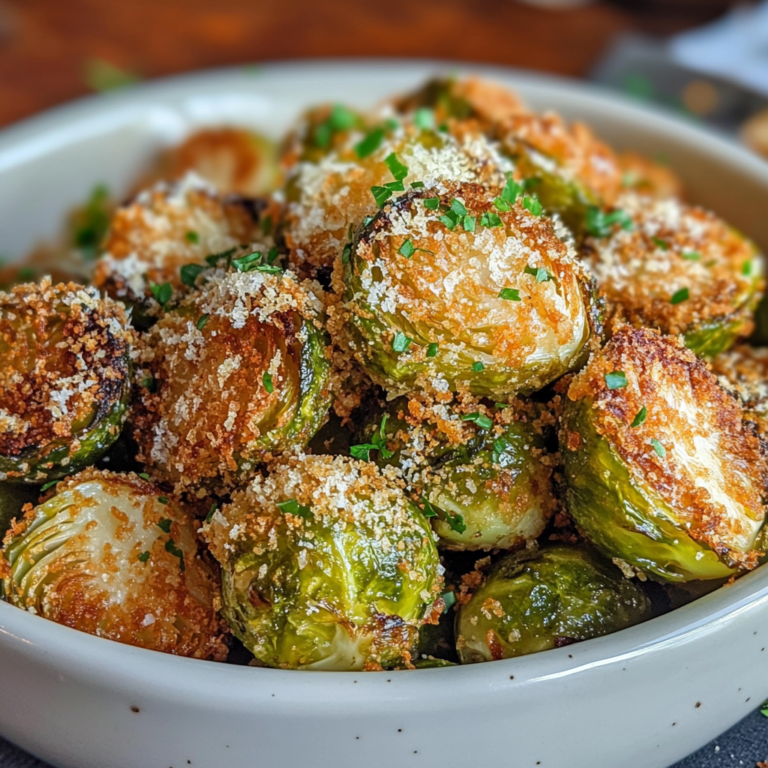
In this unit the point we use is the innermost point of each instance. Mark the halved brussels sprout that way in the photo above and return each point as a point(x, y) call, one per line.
point(461, 287)
point(328, 199)
point(326, 565)
point(648, 177)
point(235, 161)
point(165, 228)
point(64, 379)
point(662, 470)
point(481, 474)
point(534, 601)
point(743, 370)
point(680, 269)
point(238, 371)
point(110, 555)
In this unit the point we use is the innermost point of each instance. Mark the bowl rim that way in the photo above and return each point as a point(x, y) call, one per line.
point(231, 686)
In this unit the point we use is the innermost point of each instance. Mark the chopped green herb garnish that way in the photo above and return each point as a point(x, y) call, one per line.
point(292, 507)
point(502, 405)
point(170, 546)
point(458, 207)
point(746, 268)
point(200, 324)
point(378, 443)
point(144, 556)
point(449, 219)
point(396, 168)
point(764, 709)
point(691, 255)
point(190, 273)
point(268, 385)
point(429, 510)
point(162, 499)
point(479, 418)
point(424, 118)
point(370, 143)
point(92, 222)
point(340, 119)
point(432, 349)
point(600, 224)
point(431, 203)
point(490, 220)
point(533, 205)
point(162, 293)
point(48, 486)
point(502, 205)
point(148, 383)
point(266, 225)
point(214, 258)
point(616, 380)
point(449, 598)
point(658, 447)
point(272, 255)
point(165, 525)
point(381, 195)
point(455, 521)
point(661, 243)
point(640, 417)
point(510, 192)
point(247, 263)
point(211, 512)
point(541, 274)
point(143, 475)
point(469, 223)
point(103, 76)
point(192, 237)
point(478, 366)
point(417, 184)
point(25, 273)
point(407, 249)
point(680, 296)
point(346, 253)
point(268, 269)
point(510, 294)
point(401, 342)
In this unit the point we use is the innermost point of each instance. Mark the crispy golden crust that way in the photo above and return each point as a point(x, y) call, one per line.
point(577, 152)
point(746, 368)
point(115, 577)
point(208, 406)
point(673, 247)
point(646, 177)
point(63, 362)
point(713, 472)
point(166, 227)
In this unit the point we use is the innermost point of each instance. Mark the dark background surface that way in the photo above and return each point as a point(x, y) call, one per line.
point(46, 47)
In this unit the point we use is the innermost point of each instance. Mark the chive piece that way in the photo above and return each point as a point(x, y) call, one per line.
point(391, 124)
point(456, 522)
point(272, 255)
point(511, 190)
point(533, 205)
point(448, 221)
point(616, 380)
point(378, 443)
point(346, 253)
point(396, 168)
point(190, 273)
point(292, 507)
point(424, 118)
point(432, 349)
point(746, 268)
point(48, 486)
point(417, 185)
point(162, 293)
point(395, 186)
point(370, 143)
point(541, 274)
point(170, 547)
point(600, 224)
point(661, 451)
point(502, 205)
point(401, 342)
point(449, 598)
point(200, 324)
point(143, 475)
point(478, 366)
point(407, 249)
point(479, 418)
point(764, 709)
point(431, 203)
point(269, 270)
point(248, 262)
point(663, 244)
point(211, 512)
point(691, 255)
point(640, 417)
point(458, 207)
point(469, 223)
point(165, 525)
point(266, 226)
point(192, 237)
point(268, 385)
point(680, 296)
point(144, 556)
point(381, 195)
point(510, 294)
point(490, 220)
point(162, 499)
point(342, 118)
point(502, 405)
point(429, 510)
point(214, 258)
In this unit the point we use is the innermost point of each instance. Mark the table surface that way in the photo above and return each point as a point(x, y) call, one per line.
point(45, 47)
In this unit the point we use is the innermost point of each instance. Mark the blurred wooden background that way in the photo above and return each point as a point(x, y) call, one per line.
point(46, 44)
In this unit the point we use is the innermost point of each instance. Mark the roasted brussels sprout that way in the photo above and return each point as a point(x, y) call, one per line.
point(326, 565)
point(328, 199)
point(535, 601)
point(481, 474)
point(665, 265)
point(743, 371)
point(461, 287)
point(164, 229)
point(662, 470)
point(237, 372)
point(64, 379)
point(647, 177)
point(110, 555)
point(235, 161)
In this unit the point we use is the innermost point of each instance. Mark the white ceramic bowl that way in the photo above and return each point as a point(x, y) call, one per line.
point(641, 698)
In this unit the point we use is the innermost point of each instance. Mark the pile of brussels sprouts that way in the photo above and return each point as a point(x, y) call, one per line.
point(444, 382)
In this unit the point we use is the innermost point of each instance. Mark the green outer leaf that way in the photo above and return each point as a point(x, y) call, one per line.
point(623, 517)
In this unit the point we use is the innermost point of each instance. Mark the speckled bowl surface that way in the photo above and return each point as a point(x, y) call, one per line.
point(641, 698)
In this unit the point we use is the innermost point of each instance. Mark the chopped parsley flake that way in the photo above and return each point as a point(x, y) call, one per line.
point(170, 546)
point(340, 119)
point(663, 244)
point(162, 499)
point(192, 237)
point(449, 598)
point(381, 195)
point(691, 255)
point(190, 273)
point(272, 255)
point(541, 274)
point(449, 220)
point(431, 203)
point(510, 192)
point(268, 385)
point(533, 205)
point(143, 475)
point(490, 220)
point(48, 486)
point(680, 296)
point(480, 419)
point(429, 510)
point(247, 263)
point(616, 380)
point(455, 521)
point(396, 168)
point(432, 349)
point(407, 249)
point(458, 207)
point(478, 366)
point(424, 118)
point(640, 417)
point(417, 184)
point(469, 223)
point(165, 525)
point(509, 294)
point(143, 557)
point(401, 342)
point(201, 323)
point(370, 143)
point(211, 512)
point(378, 443)
point(601, 224)
point(661, 451)
point(292, 507)
point(502, 205)
point(214, 258)
point(162, 293)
